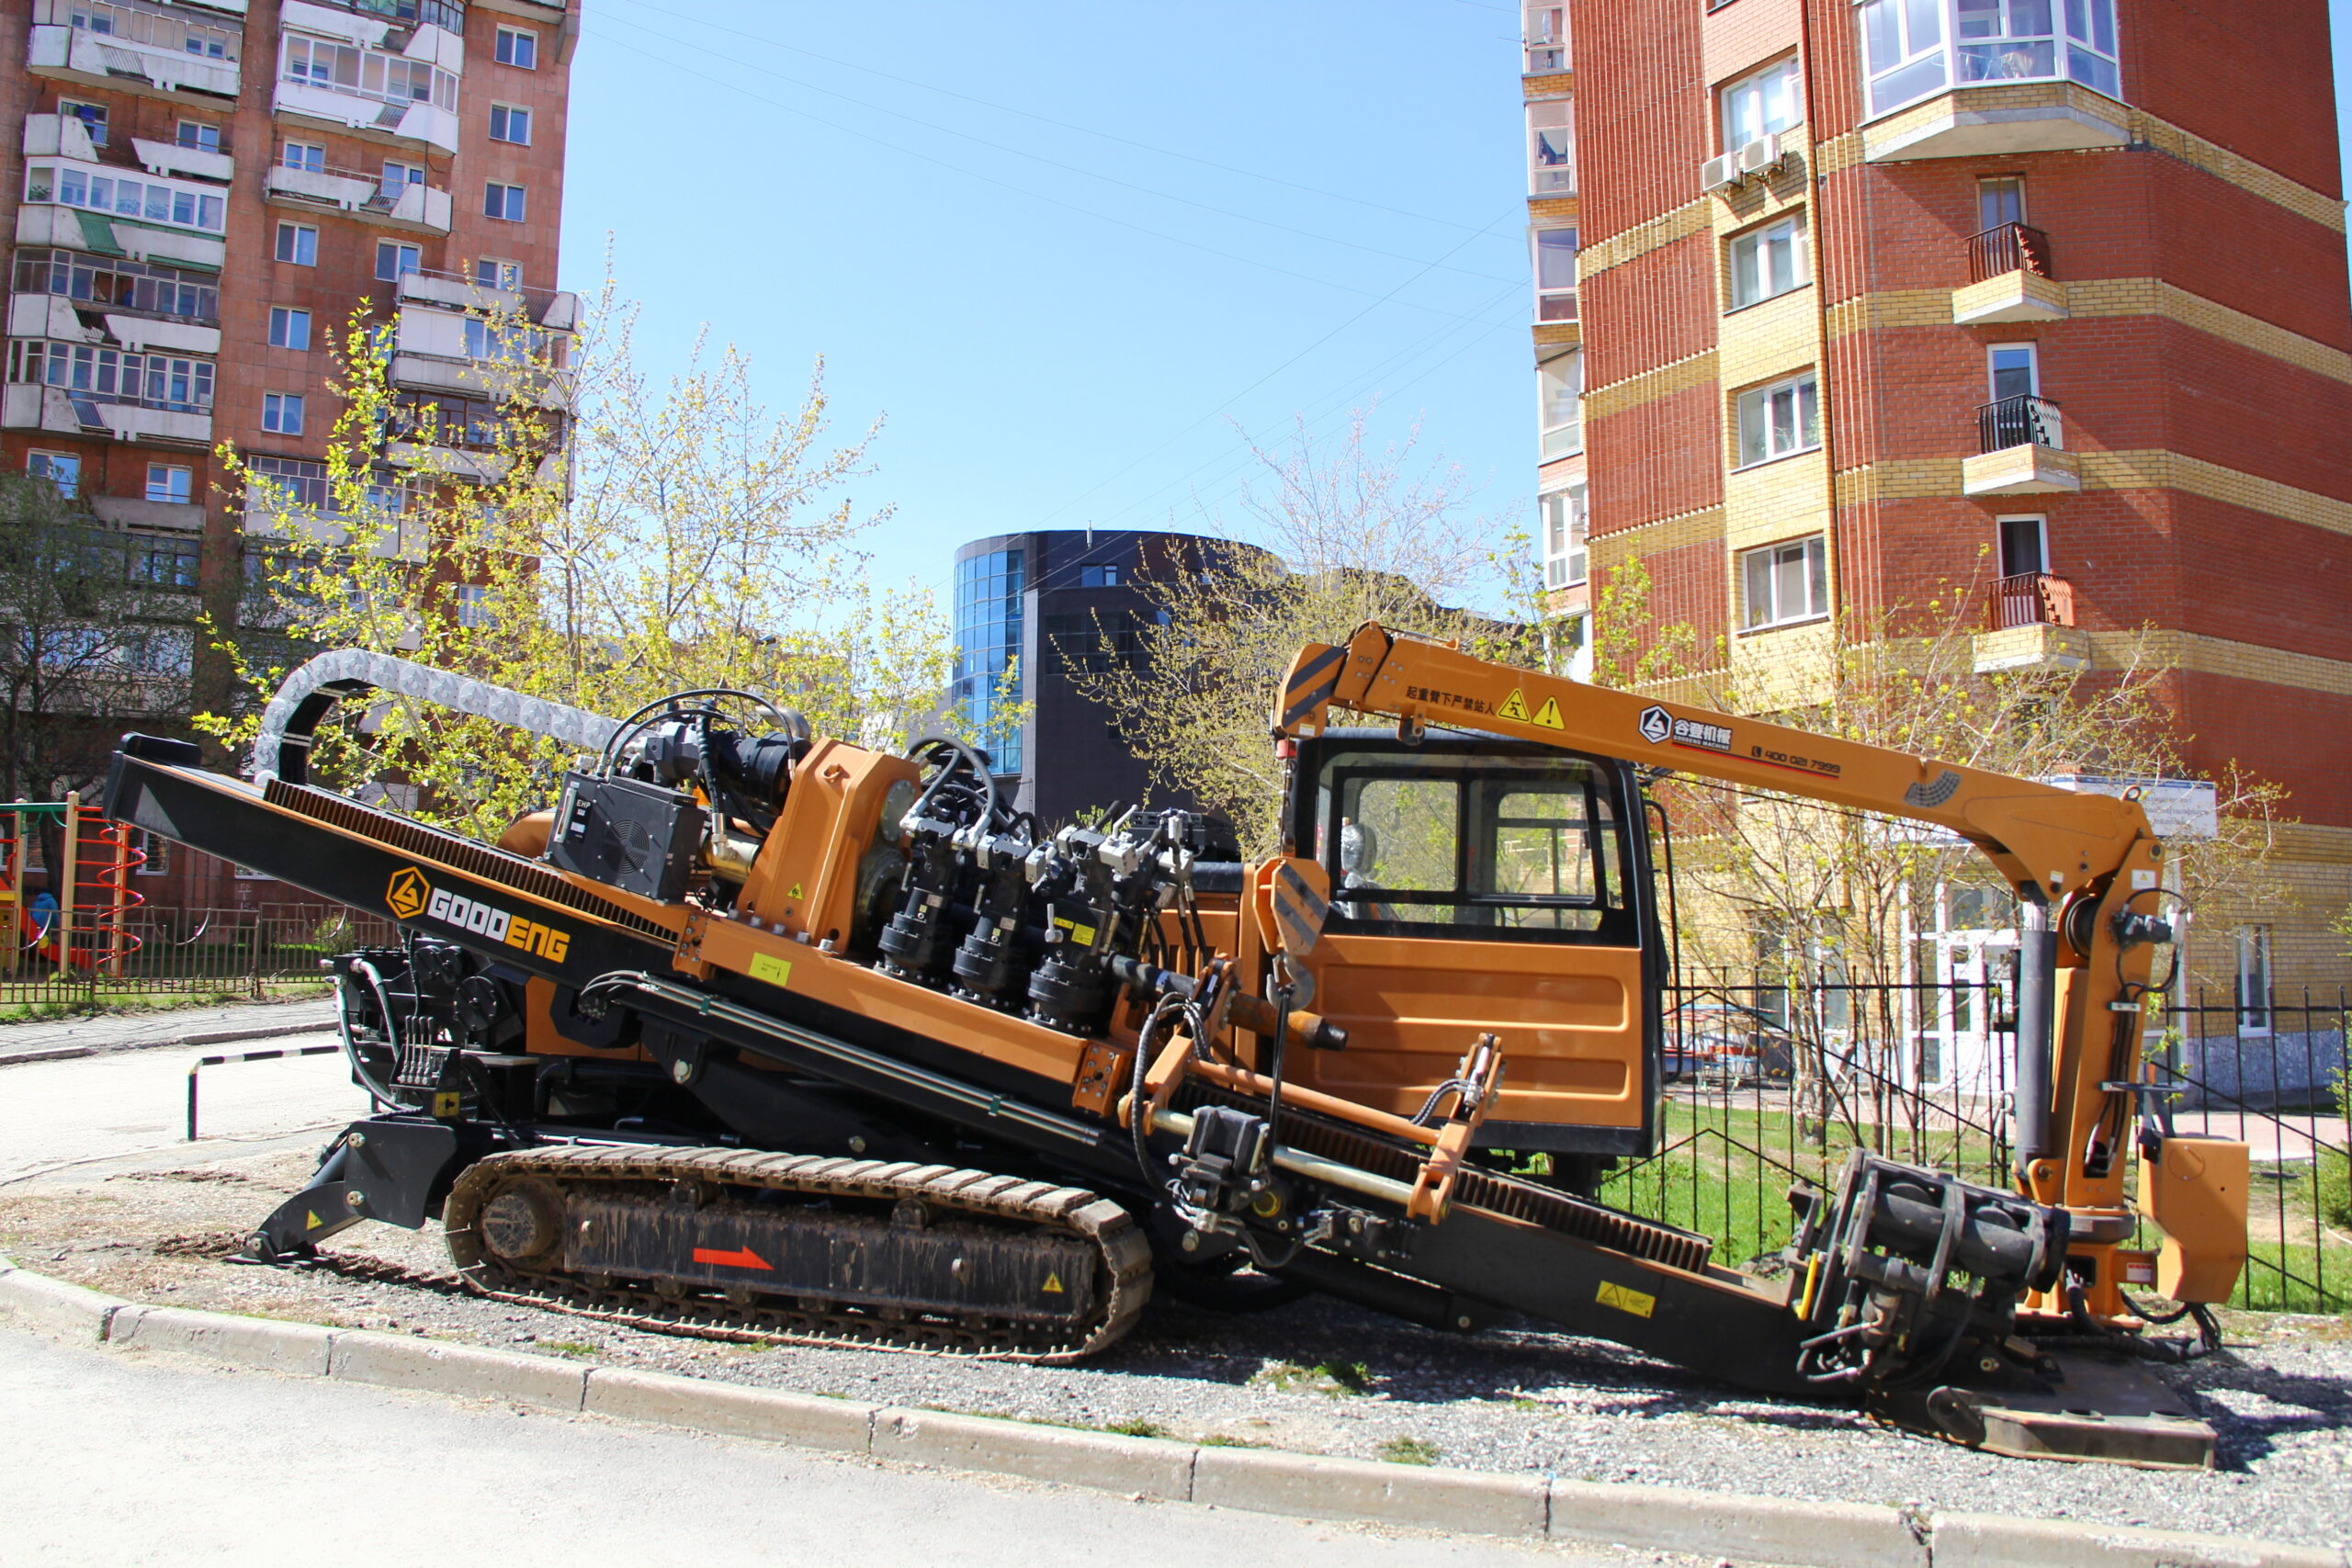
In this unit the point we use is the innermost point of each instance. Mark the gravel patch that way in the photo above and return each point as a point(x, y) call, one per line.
point(1316, 1376)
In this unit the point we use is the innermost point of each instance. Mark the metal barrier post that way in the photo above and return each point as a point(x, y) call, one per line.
point(203, 1062)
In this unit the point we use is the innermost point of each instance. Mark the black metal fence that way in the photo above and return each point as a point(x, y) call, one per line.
point(246, 952)
point(1770, 1083)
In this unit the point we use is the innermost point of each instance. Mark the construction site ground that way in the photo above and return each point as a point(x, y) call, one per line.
point(1313, 1376)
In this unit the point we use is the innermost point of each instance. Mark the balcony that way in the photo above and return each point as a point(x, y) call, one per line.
point(400, 204)
point(443, 13)
point(2030, 626)
point(1962, 79)
point(1546, 39)
point(167, 52)
point(2012, 281)
point(61, 411)
point(362, 70)
point(55, 290)
point(555, 311)
point(2020, 451)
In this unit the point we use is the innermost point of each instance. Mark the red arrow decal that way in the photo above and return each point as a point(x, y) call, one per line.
point(741, 1258)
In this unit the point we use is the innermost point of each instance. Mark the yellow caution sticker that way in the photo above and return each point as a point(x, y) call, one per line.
point(1053, 1286)
point(1082, 934)
point(1548, 715)
point(796, 892)
point(445, 1104)
point(311, 1215)
point(774, 970)
point(1626, 1299)
point(1514, 705)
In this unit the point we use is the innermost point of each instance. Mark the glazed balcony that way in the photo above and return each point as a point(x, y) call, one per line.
point(2020, 445)
point(2012, 279)
point(405, 205)
point(379, 76)
point(181, 52)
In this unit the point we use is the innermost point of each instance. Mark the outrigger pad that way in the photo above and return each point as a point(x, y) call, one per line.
point(394, 1168)
point(2107, 1409)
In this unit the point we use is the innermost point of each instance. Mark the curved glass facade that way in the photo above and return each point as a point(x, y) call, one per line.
point(988, 642)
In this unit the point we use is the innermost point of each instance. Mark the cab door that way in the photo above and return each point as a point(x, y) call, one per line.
point(1480, 887)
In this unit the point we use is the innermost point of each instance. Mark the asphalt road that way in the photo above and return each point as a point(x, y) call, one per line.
point(144, 1459)
point(132, 1106)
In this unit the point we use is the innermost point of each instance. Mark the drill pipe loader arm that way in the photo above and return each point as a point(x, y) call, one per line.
point(2075, 859)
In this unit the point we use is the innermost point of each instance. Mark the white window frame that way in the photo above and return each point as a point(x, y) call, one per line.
point(276, 406)
point(1756, 86)
point(472, 602)
point(109, 191)
point(45, 465)
point(510, 198)
point(337, 65)
point(1921, 51)
point(510, 111)
point(1756, 404)
point(155, 851)
point(508, 278)
point(2001, 541)
point(1565, 519)
point(206, 140)
point(2253, 985)
point(1555, 119)
point(1545, 35)
point(297, 230)
point(1566, 437)
point(186, 488)
point(283, 322)
point(399, 171)
point(2024, 210)
point(309, 156)
point(2032, 368)
point(1553, 302)
point(1757, 243)
point(504, 47)
point(72, 108)
point(1811, 558)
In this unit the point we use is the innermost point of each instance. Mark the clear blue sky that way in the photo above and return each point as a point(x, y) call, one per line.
point(1065, 248)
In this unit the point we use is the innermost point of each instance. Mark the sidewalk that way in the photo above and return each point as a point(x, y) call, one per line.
point(183, 1026)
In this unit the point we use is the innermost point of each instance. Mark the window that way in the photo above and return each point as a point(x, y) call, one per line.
point(397, 175)
point(508, 123)
point(169, 482)
point(92, 115)
point(148, 202)
point(1779, 419)
point(1099, 575)
point(103, 374)
point(1513, 848)
point(2012, 370)
point(1560, 384)
point(117, 283)
point(203, 137)
point(519, 48)
point(2025, 545)
point(366, 72)
point(63, 470)
point(474, 605)
point(1768, 261)
point(299, 243)
point(1546, 35)
point(502, 201)
point(1550, 149)
point(1781, 585)
point(1913, 49)
point(2000, 201)
point(165, 562)
point(153, 853)
point(1761, 104)
point(2253, 979)
point(281, 412)
point(1555, 274)
point(1565, 522)
point(310, 155)
point(396, 259)
point(506, 274)
point(288, 328)
point(989, 614)
point(273, 482)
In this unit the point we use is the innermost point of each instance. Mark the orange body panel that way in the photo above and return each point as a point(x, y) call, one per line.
point(805, 878)
point(539, 1036)
point(1569, 1020)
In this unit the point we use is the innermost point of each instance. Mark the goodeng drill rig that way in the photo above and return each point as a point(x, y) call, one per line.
point(759, 1031)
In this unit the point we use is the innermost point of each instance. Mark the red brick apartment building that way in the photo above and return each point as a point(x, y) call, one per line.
point(1869, 289)
point(204, 190)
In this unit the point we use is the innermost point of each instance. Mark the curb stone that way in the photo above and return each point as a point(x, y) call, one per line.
point(209, 1037)
point(1107, 1459)
point(1706, 1524)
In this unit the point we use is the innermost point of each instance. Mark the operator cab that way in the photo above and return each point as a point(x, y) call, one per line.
point(1477, 885)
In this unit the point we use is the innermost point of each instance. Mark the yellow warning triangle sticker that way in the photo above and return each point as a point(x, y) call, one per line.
point(313, 1218)
point(796, 891)
point(1052, 1284)
point(1514, 705)
point(1548, 715)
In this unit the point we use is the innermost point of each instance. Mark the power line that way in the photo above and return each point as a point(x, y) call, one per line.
point(1039, 158)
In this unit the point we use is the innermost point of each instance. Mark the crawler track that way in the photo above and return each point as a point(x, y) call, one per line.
point(1015, 1218)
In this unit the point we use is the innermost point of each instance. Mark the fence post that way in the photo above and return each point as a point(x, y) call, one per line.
point(64, 932)
point(16, 887)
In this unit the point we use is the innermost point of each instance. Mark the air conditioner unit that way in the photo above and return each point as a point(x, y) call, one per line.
point(1719, 174)
point(1759, 155)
